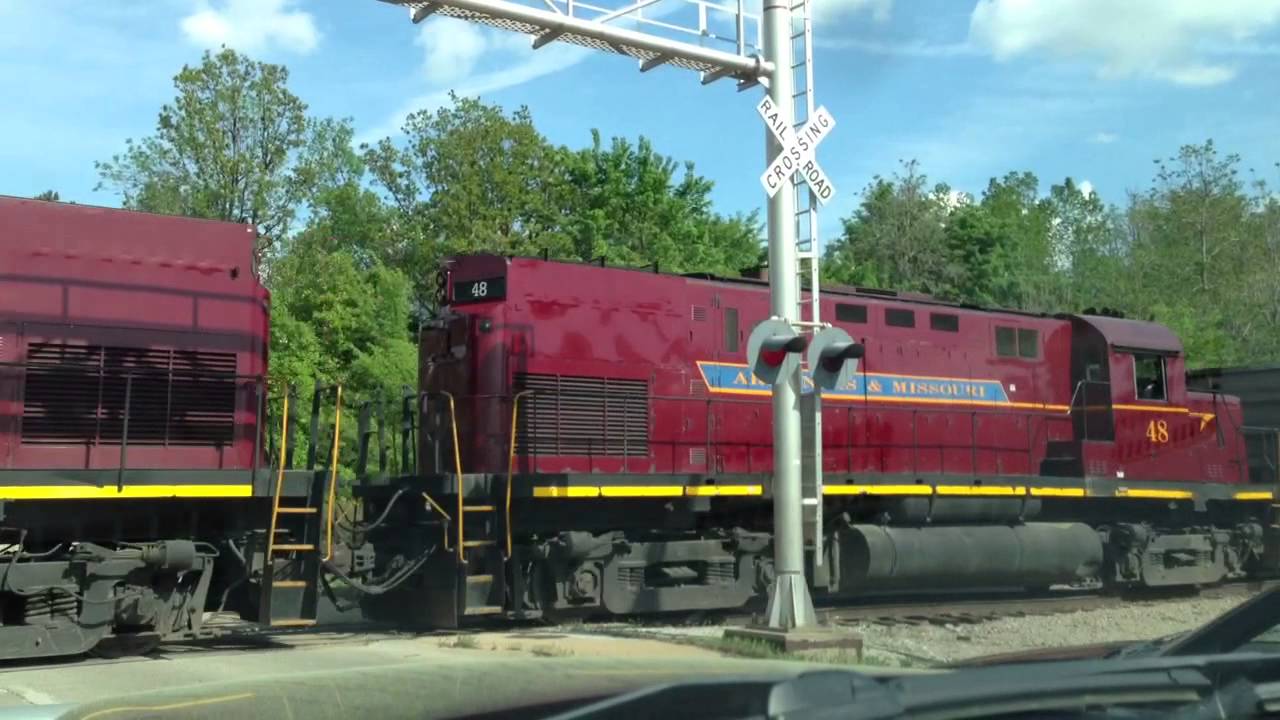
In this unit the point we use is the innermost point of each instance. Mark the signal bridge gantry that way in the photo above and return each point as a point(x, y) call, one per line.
point(720, 39)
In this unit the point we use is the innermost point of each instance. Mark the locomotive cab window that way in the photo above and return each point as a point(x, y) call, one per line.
point(1148, 377)
point(897, 317)
point(851, 313)
point(731, 330)
point(944, 322)
point(1028, 343)
point(1017, 342)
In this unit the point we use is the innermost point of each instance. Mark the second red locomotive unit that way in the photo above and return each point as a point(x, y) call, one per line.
point(594, 443)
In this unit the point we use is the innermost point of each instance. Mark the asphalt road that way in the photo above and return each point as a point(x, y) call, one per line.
point(317, 675)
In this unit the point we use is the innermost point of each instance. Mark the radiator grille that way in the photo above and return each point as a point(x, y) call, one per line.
point(76, 394)
point(569, 415)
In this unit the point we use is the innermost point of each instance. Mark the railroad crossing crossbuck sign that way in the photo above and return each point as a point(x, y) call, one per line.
point(798, 151)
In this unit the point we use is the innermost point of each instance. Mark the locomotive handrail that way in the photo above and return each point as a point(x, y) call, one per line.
point(332, 490)
point(275, 496)
point(457, 465)
point(511, 462)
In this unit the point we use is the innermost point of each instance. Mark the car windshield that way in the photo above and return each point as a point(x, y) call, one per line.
point(551, 349)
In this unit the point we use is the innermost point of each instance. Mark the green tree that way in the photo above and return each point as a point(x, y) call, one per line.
point(1087, 248)
point(634, 206)
point(235, 144)
point(337, 322)
point(470, 178)
point(896, 238)
point(49, 196)
point(1194, 245)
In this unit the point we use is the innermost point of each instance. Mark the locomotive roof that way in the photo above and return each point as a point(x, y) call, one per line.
point(833, 289)
point(1119, 332)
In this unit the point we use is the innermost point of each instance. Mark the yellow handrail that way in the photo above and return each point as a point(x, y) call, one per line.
point(457, 467)
point(511, 462)
point(444, 535)
point(333, 474)
point(275, 501)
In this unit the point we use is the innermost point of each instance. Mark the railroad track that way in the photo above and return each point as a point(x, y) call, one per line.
point(970, 608)
point(227, 634)
point(961, 610)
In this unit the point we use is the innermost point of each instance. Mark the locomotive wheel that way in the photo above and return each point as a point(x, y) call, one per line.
point(130, 645)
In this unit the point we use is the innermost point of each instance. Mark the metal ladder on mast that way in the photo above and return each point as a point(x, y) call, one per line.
point(807, 262)
point(290, 592)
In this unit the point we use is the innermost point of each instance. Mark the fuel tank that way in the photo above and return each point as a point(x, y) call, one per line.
point(875, 558)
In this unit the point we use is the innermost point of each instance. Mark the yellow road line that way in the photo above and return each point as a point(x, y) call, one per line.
point(171, 706)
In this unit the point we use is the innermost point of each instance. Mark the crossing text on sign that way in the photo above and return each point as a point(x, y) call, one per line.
point(798, 152)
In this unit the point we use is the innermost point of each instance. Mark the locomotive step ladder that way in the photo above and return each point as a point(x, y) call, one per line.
point(300, 539)
point(479, 522)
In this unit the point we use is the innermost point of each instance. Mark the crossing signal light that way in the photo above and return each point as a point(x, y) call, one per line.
point(774, 350)
point(833, 358)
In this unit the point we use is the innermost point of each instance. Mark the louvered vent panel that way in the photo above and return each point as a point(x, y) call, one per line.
point(569, 415)
point(699, 313)
point(76, 394)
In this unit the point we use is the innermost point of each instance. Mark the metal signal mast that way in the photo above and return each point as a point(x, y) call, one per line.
point(719, 39)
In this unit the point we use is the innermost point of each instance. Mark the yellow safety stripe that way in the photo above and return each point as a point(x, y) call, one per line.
point(723, 490)
point(656, 491)
point(566, 492)
point(1057, 492)
point(988, 490)
point(642, 490)
point(877, 490)
point(1152, 494)
point(128, 492)
point(1255, 495)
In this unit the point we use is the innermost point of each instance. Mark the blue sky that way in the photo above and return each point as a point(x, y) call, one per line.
point(1092, 89)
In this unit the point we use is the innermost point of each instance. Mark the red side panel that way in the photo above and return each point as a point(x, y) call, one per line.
point(90, 297)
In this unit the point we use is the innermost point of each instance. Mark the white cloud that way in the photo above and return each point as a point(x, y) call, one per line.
point(1103, 138)
point(453, 47)
point(908, 48)
point(1085, 187)
point(1164, 39)
point(823, 10)
point(471, 61)
point(252, 25)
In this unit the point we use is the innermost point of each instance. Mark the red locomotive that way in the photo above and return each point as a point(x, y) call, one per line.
point(597, 444)
point(133, 486)
point(588, 440)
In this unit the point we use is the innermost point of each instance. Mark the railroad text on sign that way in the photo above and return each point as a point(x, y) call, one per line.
point(798, 152)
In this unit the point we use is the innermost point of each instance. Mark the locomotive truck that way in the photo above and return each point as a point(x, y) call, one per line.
point(584, 440)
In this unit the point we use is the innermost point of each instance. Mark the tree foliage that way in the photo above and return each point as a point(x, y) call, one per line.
point(1198, 250)
point(235, 144)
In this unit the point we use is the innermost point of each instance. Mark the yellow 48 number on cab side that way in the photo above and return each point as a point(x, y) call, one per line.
point(1158, 431)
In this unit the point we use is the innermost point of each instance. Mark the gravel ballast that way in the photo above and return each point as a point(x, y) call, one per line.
point(929, 644)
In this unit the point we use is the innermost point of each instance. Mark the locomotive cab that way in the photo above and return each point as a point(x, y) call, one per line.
point(1132, 413)
point(462, 369)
